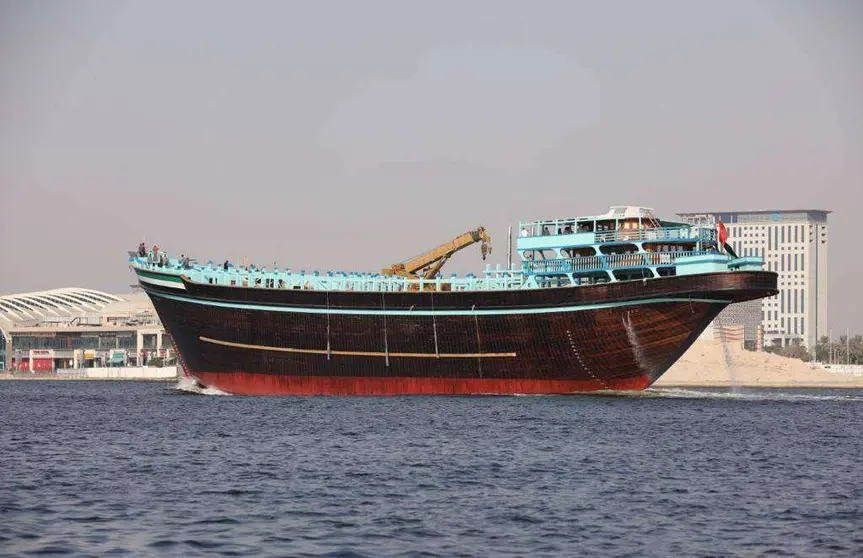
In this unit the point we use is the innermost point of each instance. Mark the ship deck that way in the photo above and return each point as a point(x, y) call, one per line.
point(532, 275)
point(210, 274)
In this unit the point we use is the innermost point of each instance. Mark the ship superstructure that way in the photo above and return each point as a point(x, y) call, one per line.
point(602, 302)
point(623, 244)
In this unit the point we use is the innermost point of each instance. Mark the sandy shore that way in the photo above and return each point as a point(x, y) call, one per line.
point(706, 364)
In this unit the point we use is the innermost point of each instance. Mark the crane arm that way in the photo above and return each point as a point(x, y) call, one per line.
point(435, 268)
point(433, 260)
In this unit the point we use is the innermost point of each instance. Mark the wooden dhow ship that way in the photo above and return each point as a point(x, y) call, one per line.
point(606, 302)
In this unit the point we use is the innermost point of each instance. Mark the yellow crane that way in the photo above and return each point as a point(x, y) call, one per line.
point(430, 263)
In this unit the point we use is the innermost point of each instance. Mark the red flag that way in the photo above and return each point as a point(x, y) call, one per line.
point(723, 233)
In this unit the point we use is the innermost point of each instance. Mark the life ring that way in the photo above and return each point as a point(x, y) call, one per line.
point(156, 248)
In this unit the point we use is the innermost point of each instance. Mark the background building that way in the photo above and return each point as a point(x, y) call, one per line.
point(793, 243)
point(79, 328)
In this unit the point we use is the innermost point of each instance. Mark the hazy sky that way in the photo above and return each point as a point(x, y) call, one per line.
point(350, 135)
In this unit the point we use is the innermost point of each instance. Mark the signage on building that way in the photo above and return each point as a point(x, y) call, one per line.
point(774, 217)
point(41, 360)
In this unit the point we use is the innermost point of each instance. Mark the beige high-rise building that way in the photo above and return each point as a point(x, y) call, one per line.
point(793, 243)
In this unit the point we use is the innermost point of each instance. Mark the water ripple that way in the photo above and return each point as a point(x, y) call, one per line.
point(103, 468)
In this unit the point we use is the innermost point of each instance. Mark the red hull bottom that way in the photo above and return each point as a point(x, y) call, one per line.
point(243, 383)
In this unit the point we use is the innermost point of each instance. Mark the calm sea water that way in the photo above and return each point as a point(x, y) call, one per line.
point(148, 469)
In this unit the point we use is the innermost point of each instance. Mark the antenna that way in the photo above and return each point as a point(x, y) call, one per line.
point(509, 248)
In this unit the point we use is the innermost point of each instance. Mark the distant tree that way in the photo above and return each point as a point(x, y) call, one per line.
point(841, 350)
point(822, 349)
point(793, 350)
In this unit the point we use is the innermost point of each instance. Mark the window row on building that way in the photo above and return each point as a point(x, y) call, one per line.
point(785, 262)
point(85, 340)
point(775, 233)
point(72, 340)
point(788, 303)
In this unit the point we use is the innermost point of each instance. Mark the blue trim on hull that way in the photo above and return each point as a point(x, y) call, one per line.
point(476, 312)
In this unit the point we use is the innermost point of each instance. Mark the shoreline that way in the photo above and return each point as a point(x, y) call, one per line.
point(759, 385)
point(714, 364)
point(14, 378)
point(707, 364)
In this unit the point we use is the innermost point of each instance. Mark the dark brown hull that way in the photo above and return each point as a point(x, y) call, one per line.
point(615, 336)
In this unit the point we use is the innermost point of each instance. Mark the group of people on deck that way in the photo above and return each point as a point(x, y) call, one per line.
point(154, 256)
point(161, 258)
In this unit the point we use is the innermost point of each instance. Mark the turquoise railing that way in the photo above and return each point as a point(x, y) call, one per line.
point(668, 233)
point(551, 228)
point(493, 279)
point(606, 262)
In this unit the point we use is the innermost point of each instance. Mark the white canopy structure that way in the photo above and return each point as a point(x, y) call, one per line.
point(56, 303)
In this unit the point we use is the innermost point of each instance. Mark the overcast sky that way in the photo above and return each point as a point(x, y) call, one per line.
point(350, 135)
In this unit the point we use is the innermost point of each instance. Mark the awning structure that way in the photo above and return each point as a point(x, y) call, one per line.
point(118, 358)
point(53, 304)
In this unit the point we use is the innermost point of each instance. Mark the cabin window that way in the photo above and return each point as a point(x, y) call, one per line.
point(631, 274)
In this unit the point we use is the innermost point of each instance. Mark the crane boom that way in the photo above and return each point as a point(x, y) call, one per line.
point(431, 262)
